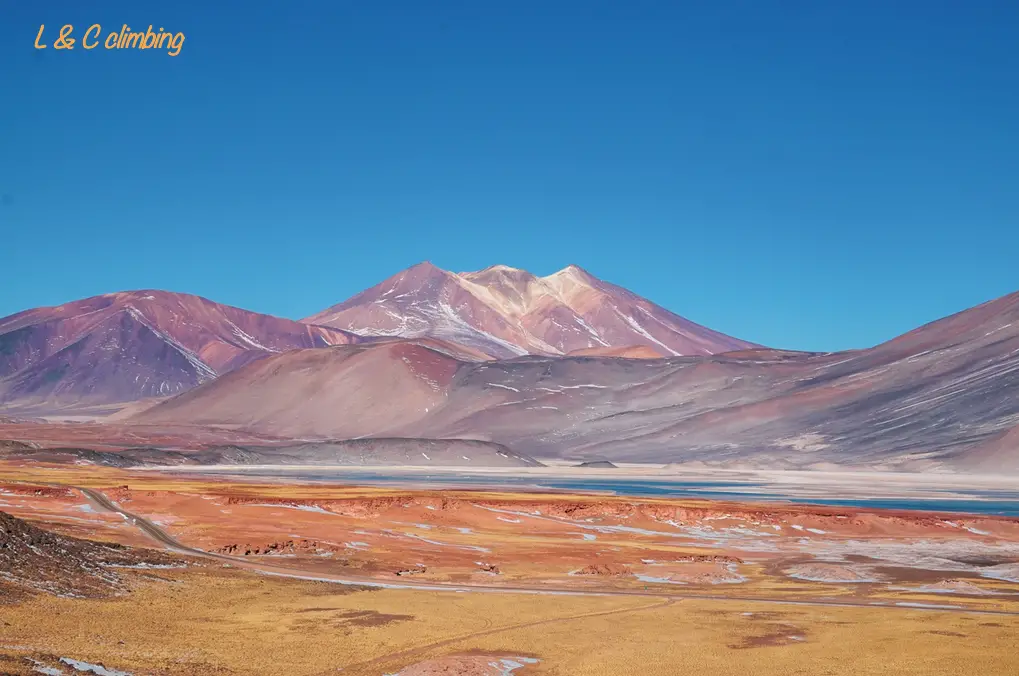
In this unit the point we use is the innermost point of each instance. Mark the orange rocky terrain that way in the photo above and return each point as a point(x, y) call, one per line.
point(550, 541)
point(310, 578)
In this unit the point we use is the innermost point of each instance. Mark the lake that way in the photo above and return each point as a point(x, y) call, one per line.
point(992, 502)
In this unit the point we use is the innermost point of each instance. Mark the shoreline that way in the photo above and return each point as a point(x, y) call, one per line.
point(900, 491)
point(645, 472)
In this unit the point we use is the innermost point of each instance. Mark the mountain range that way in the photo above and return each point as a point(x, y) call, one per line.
point(129, 346)
point(563, 366)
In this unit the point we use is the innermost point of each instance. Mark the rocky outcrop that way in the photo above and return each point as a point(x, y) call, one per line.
point(605, 569)
point(277, 548)
point(36, 560)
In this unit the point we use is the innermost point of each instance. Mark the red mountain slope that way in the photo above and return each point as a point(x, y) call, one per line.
point(344, 392)
point(132, 345)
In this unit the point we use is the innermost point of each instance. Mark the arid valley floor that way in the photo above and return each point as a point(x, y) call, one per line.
point(248, 577)
point(509, 339)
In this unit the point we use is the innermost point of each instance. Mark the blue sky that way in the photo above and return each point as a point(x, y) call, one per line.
point(800, 174)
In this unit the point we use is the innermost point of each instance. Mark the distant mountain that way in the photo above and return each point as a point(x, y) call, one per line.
point(943, 396)
point(340, 393)
point(133, 345)
point(505, 312)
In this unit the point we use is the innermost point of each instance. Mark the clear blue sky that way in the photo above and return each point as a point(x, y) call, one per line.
point(810, 175)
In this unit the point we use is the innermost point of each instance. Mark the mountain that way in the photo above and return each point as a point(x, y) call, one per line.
point(999, 453)
point(505, 312)
point(343, 393)
point(127, 346)
point(944, 395)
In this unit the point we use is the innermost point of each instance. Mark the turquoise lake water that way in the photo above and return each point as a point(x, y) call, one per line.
point(997, 502)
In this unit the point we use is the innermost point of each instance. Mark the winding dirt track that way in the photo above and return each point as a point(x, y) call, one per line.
point(409, 652)
point(168, 541)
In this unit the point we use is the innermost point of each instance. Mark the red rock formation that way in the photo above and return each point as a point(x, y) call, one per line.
point(605, 569)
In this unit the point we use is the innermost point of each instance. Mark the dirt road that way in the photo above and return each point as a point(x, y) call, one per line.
point(159, 535)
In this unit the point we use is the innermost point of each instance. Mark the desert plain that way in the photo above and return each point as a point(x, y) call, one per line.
point(243, 575)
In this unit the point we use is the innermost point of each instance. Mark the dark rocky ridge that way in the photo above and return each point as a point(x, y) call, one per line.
point(36, 560)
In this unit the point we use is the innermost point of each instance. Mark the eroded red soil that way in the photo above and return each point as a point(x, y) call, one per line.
point(562, 541)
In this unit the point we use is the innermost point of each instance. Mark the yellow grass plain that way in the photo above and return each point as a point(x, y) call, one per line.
point(214, 620)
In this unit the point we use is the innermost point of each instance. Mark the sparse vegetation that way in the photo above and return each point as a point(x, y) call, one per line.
point(221, 621)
